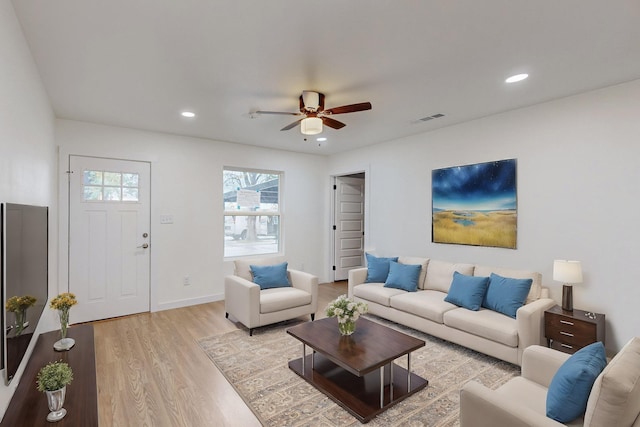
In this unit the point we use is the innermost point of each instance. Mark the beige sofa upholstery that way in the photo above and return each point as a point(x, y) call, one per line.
point(253, 307)
point(614, 400)
point(426, 310)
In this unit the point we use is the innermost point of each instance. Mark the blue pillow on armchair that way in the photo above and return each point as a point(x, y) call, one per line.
point(270, 276)
point(378, 268)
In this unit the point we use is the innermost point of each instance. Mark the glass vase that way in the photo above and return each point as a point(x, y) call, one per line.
point(21, 320)
point(347, 328)
point(64, 343)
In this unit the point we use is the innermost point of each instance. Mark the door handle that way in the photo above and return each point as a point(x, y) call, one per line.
point(144, 246)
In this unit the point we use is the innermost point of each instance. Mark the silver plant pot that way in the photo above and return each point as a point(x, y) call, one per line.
point(55, 399)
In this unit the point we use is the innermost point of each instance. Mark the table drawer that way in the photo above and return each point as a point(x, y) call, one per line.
point(568, 330)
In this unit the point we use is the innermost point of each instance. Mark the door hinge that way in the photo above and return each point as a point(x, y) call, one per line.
point(334, 228)
point(335, 187)
point(334, 268)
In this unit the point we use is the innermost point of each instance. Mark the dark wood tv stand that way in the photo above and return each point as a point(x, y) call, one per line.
point(28, 407)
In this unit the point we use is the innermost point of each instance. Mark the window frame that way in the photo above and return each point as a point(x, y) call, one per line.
point(254, 213)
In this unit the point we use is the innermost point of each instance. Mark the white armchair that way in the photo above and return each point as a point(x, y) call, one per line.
point(253, 307)
point(521, 402)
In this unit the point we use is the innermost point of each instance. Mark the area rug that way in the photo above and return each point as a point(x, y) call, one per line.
point(256, 366)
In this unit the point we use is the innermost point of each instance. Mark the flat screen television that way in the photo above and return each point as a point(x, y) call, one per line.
point(24, 272)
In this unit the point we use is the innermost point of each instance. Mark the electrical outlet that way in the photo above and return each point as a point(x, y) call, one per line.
point(186, 281)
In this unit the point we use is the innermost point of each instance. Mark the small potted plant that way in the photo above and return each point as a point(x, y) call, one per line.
point(53, 379)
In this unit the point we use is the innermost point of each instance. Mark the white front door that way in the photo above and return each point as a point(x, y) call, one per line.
point(349, 225)
point(109, 241)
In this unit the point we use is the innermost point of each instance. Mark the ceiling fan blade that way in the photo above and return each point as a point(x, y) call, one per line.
point(332, 123)
point(349, 108)
point(277, 112)
point(292, 125)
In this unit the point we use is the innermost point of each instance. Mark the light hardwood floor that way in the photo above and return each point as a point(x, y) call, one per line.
point(151, 371)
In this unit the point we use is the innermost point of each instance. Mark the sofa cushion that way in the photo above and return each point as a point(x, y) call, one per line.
point(278, 299)
point(536, 284)
point(270, 276)
point(411, 260)
point(467, 291)
point(242, 266)
point(571, 385)
point(378, 268)
point(484, 323)
point(403, 276)
point(615, 396)
point(426, 304)
point(440, 274)
point(506, 295)
point(376, 292)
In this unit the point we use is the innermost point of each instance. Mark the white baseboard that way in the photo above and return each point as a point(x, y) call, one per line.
point(187, 302)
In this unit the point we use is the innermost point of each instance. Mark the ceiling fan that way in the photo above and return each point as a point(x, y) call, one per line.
point(314, 115)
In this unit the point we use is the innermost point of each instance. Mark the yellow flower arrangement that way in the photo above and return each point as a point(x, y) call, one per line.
point(16, 303)
point(63, 302)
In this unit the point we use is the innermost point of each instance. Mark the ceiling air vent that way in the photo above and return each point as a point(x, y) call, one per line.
point(435, 116)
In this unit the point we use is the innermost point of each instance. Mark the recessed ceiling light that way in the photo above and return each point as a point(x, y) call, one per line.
point(516, 78)
point(322, 138)
point(188, 114)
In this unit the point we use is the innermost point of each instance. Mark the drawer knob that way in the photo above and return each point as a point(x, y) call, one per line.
point(567, 334)
point(565, 322)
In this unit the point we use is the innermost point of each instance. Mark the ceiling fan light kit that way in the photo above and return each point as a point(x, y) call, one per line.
point(314, 116)
point(311, 126)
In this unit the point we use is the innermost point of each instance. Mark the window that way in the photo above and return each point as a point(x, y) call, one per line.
point(252, 217)
point(101, 186)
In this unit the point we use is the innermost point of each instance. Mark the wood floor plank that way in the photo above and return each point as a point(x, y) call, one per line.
point(151, 371)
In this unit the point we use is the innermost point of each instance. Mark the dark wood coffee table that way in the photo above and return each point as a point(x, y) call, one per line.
point(357, 372)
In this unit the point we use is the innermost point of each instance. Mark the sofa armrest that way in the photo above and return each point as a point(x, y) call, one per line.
point(483, 407)
point(530, 320)
point(540, 364)
point(357, 276)
point(242, 300)
point(306, 282)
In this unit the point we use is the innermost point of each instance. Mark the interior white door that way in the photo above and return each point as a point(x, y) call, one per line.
point(109, 242)
point(348, 225)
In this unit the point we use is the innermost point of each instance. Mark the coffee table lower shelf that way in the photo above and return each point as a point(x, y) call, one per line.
point(358, 395)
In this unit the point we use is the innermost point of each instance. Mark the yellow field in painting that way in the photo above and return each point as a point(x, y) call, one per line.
point(493, 228)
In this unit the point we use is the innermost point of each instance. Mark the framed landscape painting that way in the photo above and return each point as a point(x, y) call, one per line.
point(475, 204)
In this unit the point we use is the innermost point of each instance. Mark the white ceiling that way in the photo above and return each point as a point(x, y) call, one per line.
point(139, 63)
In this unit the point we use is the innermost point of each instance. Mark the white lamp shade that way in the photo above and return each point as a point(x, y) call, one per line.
point(311, 126)
point(567, 271)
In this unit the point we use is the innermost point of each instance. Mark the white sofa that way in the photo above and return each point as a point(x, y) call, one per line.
point(426, 310)
point(614, 399)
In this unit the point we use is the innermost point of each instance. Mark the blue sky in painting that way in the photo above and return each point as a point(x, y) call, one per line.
point(483, 186)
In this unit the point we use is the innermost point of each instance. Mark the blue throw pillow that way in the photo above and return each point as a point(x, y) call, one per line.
point(403, 276)
point(467, 291)
point(378, 268)
point(506, 295)
point(571, 385)
point(270, 276)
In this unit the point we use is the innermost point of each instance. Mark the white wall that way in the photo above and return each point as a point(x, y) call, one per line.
point(186, 182)
point(578, 194)
point(27, 148)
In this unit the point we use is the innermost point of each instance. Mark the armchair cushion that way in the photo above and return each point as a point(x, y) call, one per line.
point(270, 276)
point(571, 385)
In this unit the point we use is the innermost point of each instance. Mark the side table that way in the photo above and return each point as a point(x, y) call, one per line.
point(569, 331)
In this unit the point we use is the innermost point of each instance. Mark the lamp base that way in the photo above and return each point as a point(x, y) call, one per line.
point(567, 298)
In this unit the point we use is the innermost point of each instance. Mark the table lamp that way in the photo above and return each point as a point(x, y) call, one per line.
point(567, 272)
